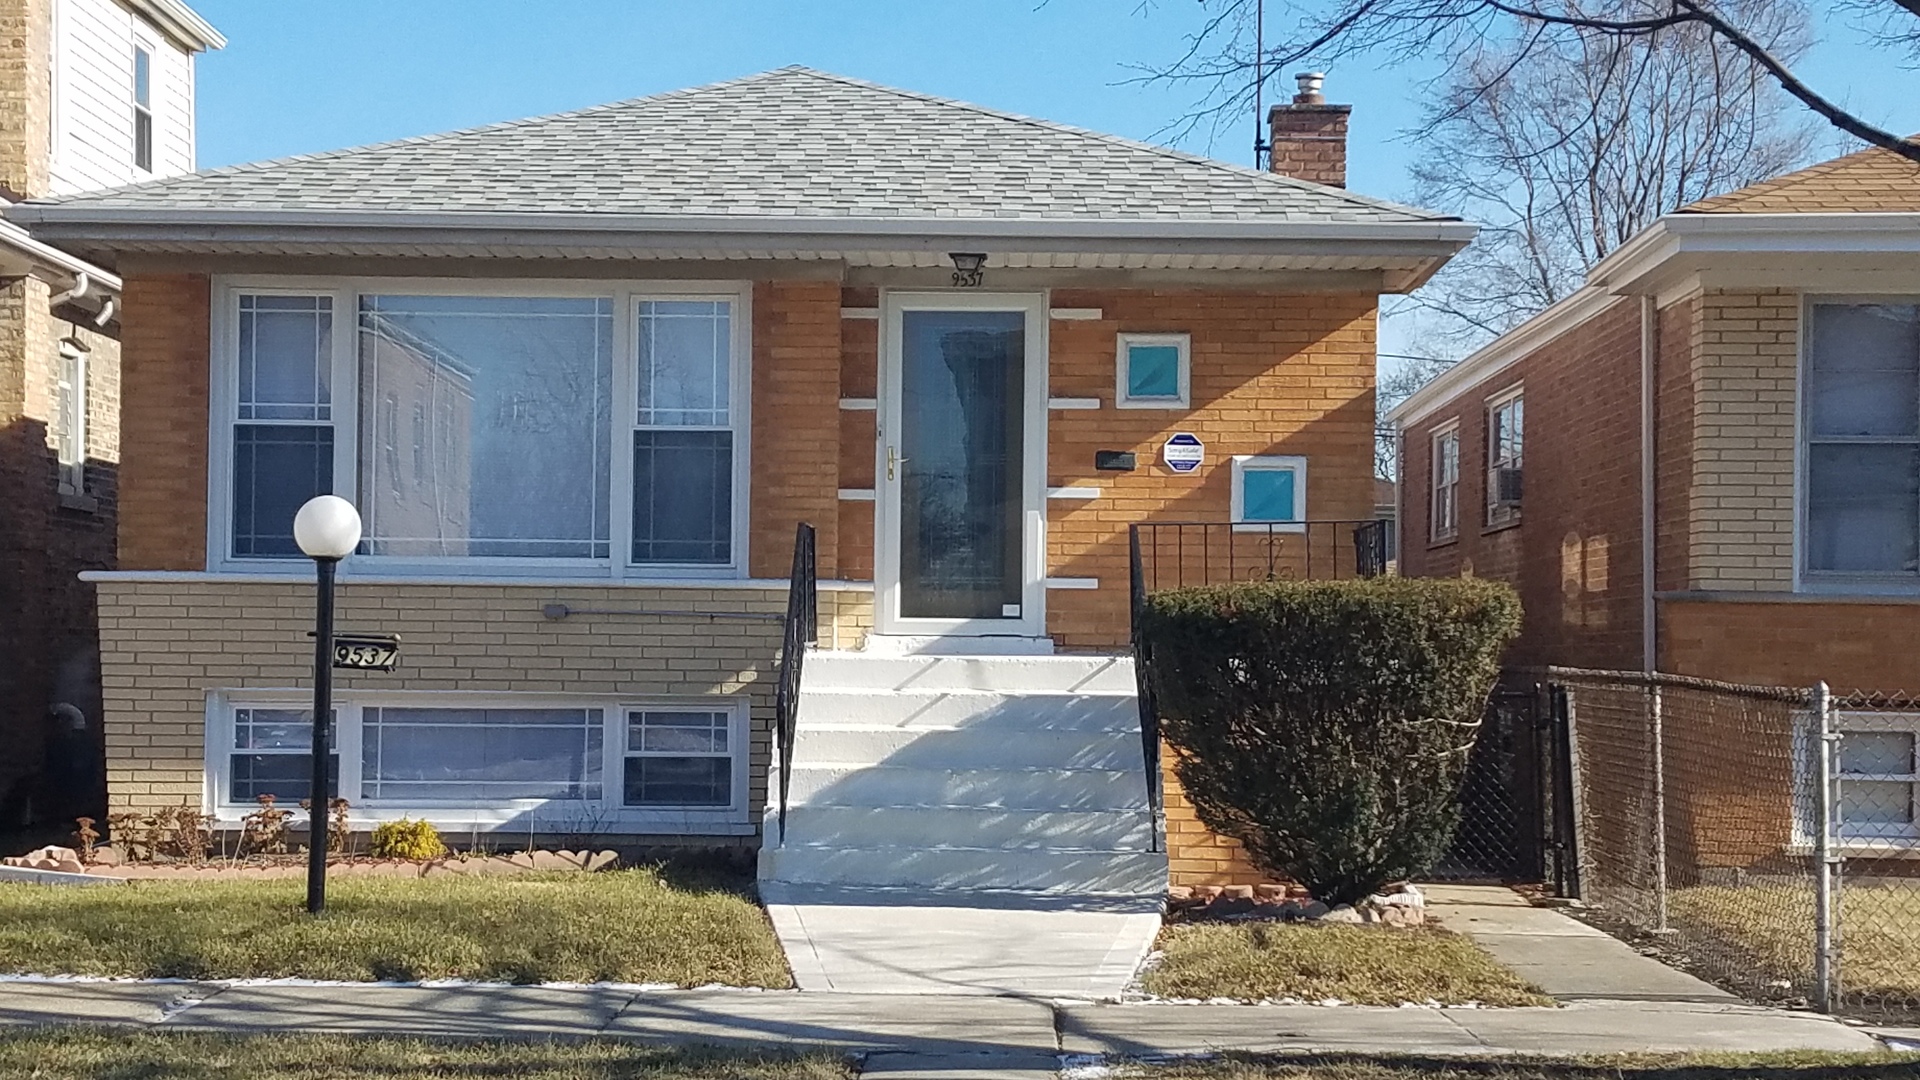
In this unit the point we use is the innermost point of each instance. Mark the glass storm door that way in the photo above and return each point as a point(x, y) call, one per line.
point(960, 511)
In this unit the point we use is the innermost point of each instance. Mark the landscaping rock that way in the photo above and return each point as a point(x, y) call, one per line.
point(1238, 892)
point(603, 860)
point(1179, 894)
point(1270, 892)
point(107, 855)
point(1310, 909)
point(1344, 915)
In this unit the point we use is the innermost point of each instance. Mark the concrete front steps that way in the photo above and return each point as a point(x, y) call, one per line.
point(1019, 773)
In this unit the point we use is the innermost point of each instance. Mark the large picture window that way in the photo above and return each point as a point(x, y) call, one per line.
point(477, 430)
point(1861, 424)
point(506, 761)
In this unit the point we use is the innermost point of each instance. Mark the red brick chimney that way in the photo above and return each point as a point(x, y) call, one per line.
point(1309, 137)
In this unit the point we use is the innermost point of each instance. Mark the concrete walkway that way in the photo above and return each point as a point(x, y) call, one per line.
point(1564, 957)
point(885, 941)
point(953, 1036)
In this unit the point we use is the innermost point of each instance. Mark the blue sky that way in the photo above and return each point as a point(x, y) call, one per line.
point(306, 75)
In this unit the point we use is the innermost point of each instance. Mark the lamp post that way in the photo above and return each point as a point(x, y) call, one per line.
point(327, 529)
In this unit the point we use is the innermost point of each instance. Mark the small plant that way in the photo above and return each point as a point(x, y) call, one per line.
point(264, 831)
point(133, 834)
point(405, 839)
point(85, 838)
point(339, 828)
point(182, 831)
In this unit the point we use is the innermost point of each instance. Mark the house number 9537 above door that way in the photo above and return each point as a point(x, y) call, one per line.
point(366, 652)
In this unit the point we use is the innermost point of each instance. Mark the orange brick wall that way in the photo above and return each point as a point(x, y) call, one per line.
point(163, 429)
point(1852, 644)
point(1272, 374)
point(796, 423)
point(1575, 554)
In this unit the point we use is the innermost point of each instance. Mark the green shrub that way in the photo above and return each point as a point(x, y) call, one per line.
point(405, 839)
point(1326, 725)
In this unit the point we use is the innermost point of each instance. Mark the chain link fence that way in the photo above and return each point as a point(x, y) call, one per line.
point(1761, 836)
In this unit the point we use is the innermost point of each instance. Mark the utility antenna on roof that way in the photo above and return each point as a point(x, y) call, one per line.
point(1260, 145)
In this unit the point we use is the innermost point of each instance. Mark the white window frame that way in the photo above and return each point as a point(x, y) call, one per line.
point(142, 45)
point(607, 814)
point(345, 294)
point(1246, 463)
point(1497, 514)
point(1907, 835)
point(1182, 343)
point(73, 417)
point(1836, 582)
point(1439, 532)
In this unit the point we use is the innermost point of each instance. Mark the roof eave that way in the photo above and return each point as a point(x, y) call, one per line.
point(181, 23)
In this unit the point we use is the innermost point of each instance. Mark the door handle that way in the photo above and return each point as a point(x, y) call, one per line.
point(893, 459)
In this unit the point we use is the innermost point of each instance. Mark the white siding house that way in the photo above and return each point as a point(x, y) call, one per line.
point(123, 91)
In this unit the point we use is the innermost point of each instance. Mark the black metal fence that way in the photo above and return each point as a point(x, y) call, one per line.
point(1176, 554)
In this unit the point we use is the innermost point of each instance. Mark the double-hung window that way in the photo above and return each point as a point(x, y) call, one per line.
point(1860, 419)
point(520, 430)
point(70, 417)
point(1505, 421)
point(143, 108)
point(1444, 523)
point(270, 752)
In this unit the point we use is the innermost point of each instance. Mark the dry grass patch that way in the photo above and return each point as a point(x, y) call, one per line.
point(623, 926)
point(1880, 930)
point(97, 1054)
point(1789, 1066)
point(1365, 966)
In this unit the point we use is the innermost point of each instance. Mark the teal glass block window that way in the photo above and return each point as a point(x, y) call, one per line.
point(1153, 371)
point(1269, 493)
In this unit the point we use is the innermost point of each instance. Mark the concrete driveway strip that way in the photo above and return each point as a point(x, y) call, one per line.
point(1130, 1030)
point(1621, 1027)
point(95, 1002)
point(451, 1011)
point(1564, 957)
point(952, 1027)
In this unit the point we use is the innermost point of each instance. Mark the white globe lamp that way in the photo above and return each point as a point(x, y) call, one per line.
point(327, 527)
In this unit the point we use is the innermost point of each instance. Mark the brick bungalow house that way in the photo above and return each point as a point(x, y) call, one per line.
point(93, 94)
point(1721, 451)
point(584, 374)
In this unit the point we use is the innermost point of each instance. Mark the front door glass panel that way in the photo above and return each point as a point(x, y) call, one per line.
point(963, 375)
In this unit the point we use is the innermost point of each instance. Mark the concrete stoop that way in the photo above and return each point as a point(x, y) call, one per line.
point(955, 773)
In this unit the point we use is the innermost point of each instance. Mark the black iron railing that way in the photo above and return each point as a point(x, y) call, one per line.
point(1175, 554)
point(1168, 555)
point(802, 629)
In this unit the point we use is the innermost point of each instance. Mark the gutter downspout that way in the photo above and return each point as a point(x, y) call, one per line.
point(1649, 343)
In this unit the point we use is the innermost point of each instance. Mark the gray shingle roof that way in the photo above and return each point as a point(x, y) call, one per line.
point(791, 143)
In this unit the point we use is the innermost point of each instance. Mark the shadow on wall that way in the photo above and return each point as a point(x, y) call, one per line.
point(52, 764)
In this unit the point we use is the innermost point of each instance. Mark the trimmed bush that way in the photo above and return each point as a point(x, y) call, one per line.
point(406, 839)
point(1326, 725)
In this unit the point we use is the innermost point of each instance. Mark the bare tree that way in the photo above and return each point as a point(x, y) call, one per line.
point(1564, 148)
point(1220, 55)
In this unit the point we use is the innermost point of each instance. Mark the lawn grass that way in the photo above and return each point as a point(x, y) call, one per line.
point(1365, 966)
point(640, 925)
point(1787, 1066)
point(100, 1054)
point(1879, 931)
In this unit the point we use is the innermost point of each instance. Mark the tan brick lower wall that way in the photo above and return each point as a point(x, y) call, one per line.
point(1195, 854)
point(167, 645)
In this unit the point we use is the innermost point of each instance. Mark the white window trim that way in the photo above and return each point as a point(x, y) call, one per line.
point(1496, 515)
point(1886, 841)
point(1830, 582)
point(73, 474)
point(1181, 342)
point(1435, 533)
point(1245, 463)
point(141, 43)
point(345, 293)
point(511, 816)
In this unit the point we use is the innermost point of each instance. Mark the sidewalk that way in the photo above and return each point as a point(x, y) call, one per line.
point(946, 1036)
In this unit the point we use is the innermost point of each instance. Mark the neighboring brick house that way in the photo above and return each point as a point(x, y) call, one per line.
point(540, 356)
point(1741, 382)
point(93, 94)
